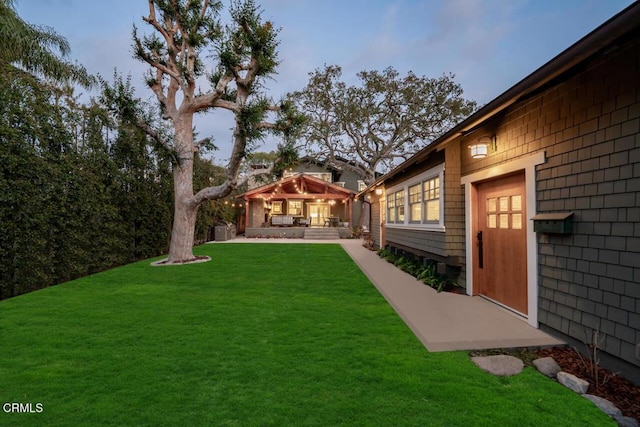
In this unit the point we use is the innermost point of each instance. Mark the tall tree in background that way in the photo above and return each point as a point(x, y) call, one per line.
point(367, 128)
point(246, 54)
point(36, 49)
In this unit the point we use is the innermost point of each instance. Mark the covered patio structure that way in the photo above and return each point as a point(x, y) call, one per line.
point(298, 201)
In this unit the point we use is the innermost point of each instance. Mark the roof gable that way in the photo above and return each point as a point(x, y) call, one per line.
point(298, 186)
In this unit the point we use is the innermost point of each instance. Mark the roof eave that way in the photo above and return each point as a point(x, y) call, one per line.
point(600, 38)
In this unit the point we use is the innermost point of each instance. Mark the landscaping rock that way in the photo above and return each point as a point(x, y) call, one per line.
point(572, 382)
point(626, 422)
point(605, 406)
point(547, 366)
point(500, 365)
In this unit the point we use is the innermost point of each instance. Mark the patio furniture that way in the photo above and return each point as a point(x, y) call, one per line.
point(331, 221)
point(282, 220)
point(304, 222)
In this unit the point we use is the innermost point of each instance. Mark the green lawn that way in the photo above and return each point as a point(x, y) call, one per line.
point(264, 334)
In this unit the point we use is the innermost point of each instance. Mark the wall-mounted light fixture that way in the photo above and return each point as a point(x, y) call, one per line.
point(481, 147)
point(378, 191)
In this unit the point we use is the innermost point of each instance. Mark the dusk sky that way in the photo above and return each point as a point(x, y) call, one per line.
point(488, 44)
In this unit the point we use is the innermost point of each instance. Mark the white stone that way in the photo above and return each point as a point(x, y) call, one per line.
point(626, 422)
point(572, 382)
point(547, 366)
point(605, 406)
point(500, 365)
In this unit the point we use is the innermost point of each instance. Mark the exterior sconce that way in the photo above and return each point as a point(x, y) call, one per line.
point(378, 191)
point(480, 149)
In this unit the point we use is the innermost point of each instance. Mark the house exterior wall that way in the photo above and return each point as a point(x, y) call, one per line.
point(588, 125)
point(427, 242)
point(309, 167)
point(376, 220)
point(454, 216)
point(350, 180)
point(256, 213)
point(437, 245)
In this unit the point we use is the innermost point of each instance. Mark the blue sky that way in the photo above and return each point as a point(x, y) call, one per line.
point(488, 44)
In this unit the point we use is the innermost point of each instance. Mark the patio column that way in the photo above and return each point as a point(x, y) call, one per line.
point(246, 214)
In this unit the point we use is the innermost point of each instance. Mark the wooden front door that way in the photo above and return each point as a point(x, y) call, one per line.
point(500, 258)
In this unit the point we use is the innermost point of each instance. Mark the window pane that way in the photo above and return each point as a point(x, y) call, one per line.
point(433, 210)
point(416, 212)
point(415, 206)
point(414, 194)
point(492, 205)
point(295, 207)
point(516, 203)
point(432, 199)
point(504, 204)
point(516, 221)
point(400, 206)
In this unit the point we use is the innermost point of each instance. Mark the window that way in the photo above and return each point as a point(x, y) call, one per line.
point(415, 203)
point(432, 199)
point(276, 207)
point(399, 206)
point(499, 211)
point(391, 209)
point(295, 207)
point(361, 185)
point(421, 198)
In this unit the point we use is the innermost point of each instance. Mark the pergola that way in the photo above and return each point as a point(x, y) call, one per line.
point(301, 187)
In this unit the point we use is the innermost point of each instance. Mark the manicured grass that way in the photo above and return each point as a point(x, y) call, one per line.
point(264, 334)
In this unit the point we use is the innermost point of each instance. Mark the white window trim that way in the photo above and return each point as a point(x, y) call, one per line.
point(434, 172)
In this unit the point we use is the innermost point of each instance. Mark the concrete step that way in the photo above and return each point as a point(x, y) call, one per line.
point(326, 233)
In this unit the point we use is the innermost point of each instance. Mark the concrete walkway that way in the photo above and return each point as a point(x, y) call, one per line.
point(441, 321)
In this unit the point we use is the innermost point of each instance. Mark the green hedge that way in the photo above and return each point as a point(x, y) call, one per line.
point(79, 193)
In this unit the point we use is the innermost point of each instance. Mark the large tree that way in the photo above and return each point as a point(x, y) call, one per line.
point(369, 127)
point(245, 53)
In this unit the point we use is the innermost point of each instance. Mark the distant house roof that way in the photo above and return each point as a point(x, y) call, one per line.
point(603, 39)
point(298, 186)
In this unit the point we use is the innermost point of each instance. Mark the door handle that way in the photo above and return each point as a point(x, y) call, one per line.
point(480, 251)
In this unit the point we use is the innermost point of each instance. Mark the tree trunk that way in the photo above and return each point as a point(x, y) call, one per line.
point(184, 214)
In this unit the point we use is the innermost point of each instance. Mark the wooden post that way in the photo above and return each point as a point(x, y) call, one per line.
point(246, 215)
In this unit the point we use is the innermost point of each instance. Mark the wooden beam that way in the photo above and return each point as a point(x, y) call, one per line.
point(313, 196)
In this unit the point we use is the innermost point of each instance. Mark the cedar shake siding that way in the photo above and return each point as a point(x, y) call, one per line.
point(589, 128)
point(571, 129)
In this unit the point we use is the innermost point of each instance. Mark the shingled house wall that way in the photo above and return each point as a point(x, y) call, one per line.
point(588, 125)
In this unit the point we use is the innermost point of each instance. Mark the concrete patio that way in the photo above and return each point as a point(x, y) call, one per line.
point(441, 321)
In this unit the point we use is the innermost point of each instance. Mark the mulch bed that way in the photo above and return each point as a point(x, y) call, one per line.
point(618, 390)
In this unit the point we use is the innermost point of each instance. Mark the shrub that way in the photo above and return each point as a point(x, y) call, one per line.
point(426, 274)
